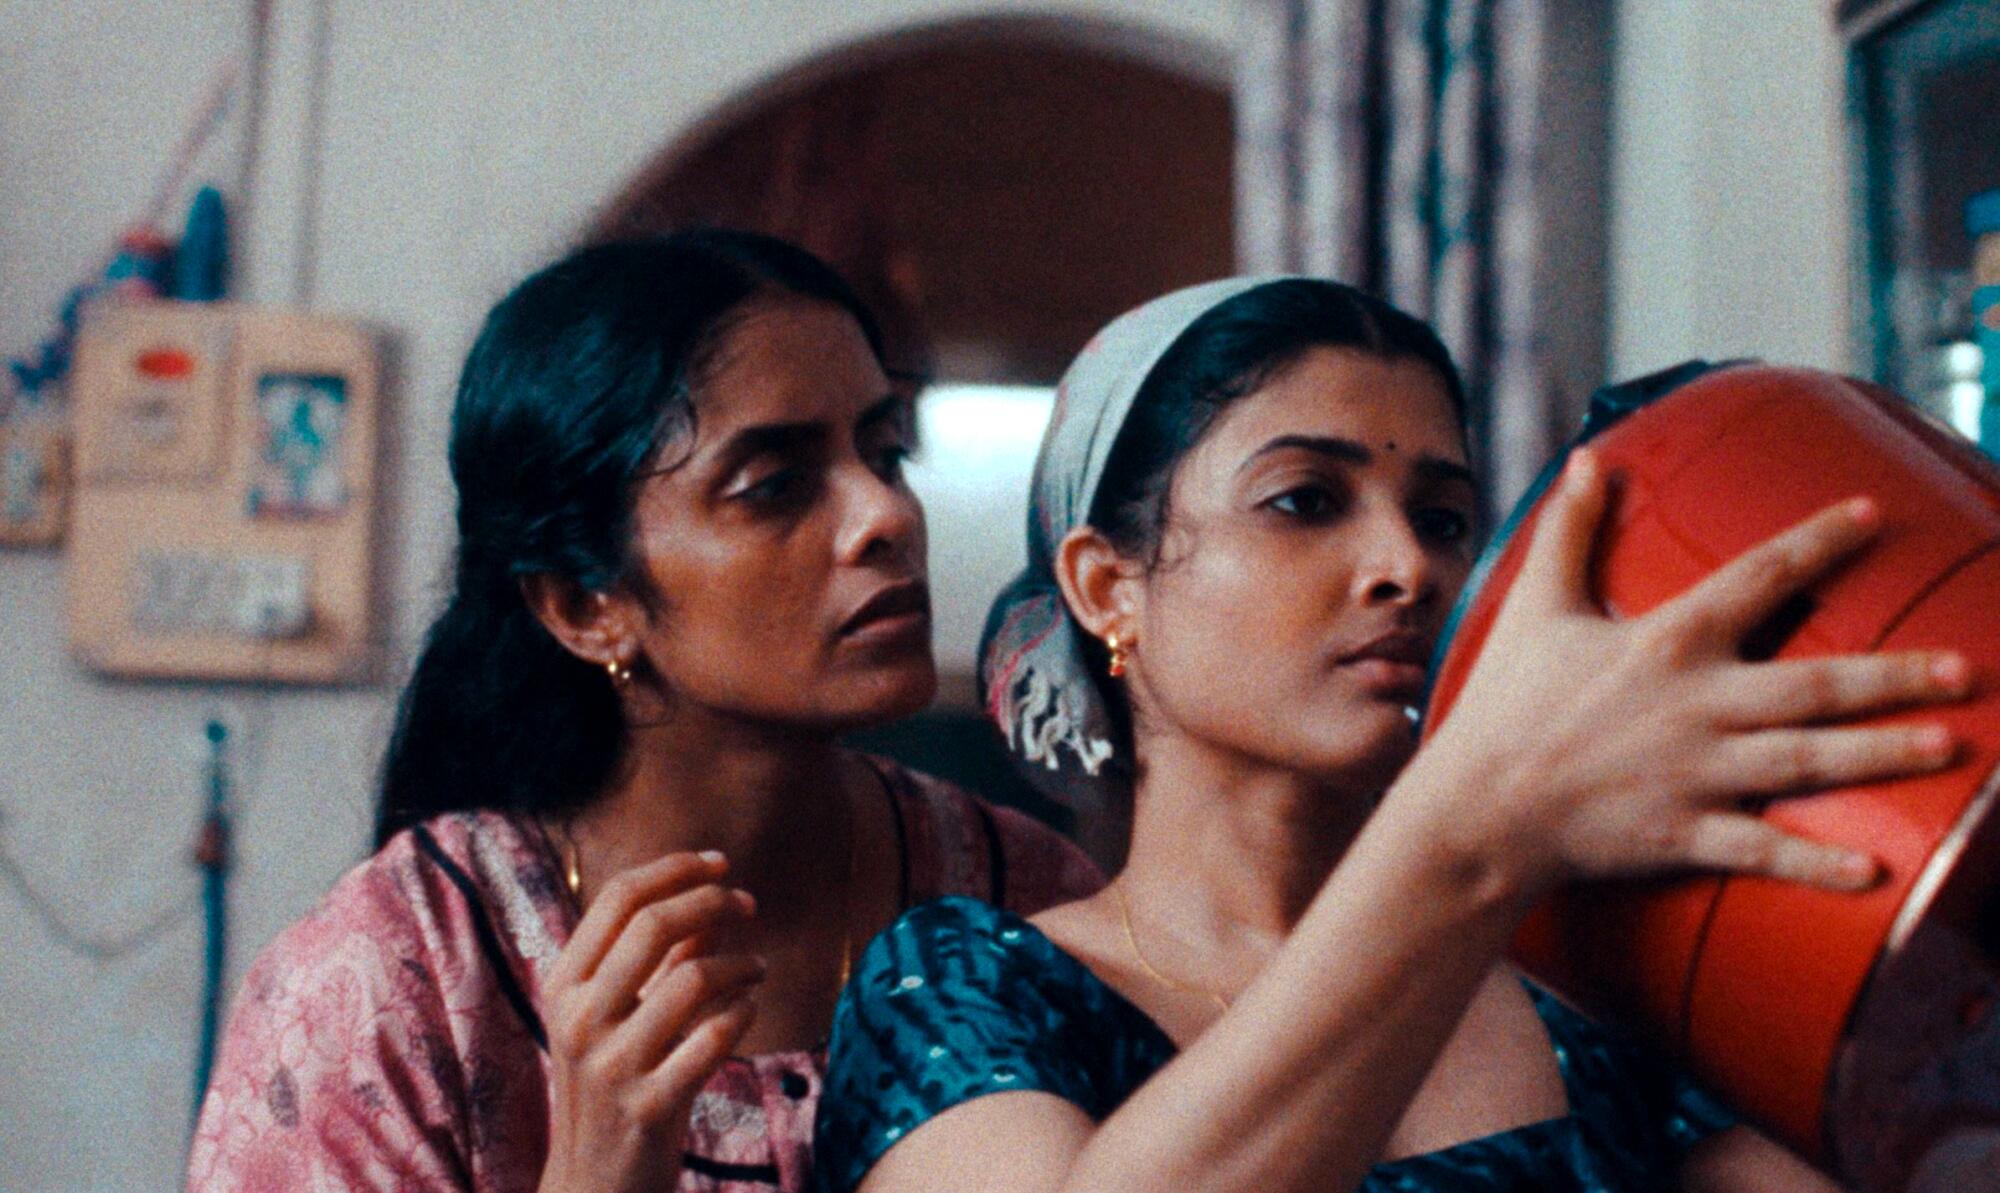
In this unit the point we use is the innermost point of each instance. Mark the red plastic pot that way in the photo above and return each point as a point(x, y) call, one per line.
point(1863, 1030)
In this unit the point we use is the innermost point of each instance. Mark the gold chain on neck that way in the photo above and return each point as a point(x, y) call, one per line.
point(556, 835)
point(572, 880)
point(1131, 938)
point(847, 819)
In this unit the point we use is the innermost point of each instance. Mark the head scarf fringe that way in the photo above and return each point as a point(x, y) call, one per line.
point(1044, 716)
point(1038, 687)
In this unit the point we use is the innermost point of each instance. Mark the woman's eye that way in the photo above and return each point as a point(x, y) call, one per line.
point(774, 489)
point(1441, 524)
point(888, 461)
point(1305, 502)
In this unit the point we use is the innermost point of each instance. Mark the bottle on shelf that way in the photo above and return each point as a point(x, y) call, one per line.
point(1982, 224)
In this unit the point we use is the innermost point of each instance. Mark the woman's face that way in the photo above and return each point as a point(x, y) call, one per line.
point(1316, 538)
point(783, 551)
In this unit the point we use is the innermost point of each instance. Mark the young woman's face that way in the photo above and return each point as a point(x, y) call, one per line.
point(1316, 538)
point(783, 551)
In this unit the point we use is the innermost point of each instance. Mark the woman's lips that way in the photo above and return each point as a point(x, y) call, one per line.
point(901, 628)
point(1387, 677)
point(1396, 664)
point(898, 612)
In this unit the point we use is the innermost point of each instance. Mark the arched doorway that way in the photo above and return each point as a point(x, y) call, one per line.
point(998, 188)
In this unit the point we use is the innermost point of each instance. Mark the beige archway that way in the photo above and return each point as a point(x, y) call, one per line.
point(996, 187)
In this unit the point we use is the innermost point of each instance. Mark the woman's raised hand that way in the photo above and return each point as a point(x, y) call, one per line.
point(640, 1015)
point(1605, 747)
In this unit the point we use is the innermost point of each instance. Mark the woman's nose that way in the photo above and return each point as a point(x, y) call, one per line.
point(884, 522)
point(1395, 567)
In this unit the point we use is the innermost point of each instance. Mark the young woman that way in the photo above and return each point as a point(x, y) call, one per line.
point(622, 863)
point(1252, 514)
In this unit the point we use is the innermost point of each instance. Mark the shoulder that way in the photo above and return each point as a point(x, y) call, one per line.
point(956, 1000)
point(342, 1019)
point(959, 984)
point(955, 944)
point(371, 939)
point(957, 929)
point(958, 844)
point(460, 911)
point(940, 990)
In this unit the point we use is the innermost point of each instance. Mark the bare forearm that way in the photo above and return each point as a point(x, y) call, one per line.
point(1740, 1160)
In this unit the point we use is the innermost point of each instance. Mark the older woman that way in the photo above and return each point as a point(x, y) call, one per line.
point(1253, 511)
point(622, 861)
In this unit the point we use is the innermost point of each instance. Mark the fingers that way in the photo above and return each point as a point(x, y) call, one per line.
point(710, 1042)
point(1556, 572)
point(685, 947)
point(1802, 691)
point(625, 894)
point(680, 997)
point(1783, 761)
point(653, 931)
point(1749, 588)
point(1743, 844)
point(663, 1091)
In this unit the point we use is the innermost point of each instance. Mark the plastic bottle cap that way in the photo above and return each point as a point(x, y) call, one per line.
point(144, 238)
point(1982, 213)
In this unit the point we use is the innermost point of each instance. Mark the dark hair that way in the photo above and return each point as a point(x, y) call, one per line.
point(578, 379)
point(1229, 352)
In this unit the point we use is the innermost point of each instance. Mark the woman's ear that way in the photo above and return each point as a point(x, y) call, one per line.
point(1105, 590)
point(595, 626)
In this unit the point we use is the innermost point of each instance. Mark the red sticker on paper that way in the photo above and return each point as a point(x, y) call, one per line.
point(165, 364)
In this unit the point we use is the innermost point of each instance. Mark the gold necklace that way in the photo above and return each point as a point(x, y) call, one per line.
point(564, 847)
point(1131, 938)
point(572, 872)
point(572, 878)
point(847, 893)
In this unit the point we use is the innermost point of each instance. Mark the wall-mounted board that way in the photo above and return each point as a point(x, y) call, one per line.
point(225, 479)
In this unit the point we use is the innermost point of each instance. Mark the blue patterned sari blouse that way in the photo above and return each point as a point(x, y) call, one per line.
point(958, 999)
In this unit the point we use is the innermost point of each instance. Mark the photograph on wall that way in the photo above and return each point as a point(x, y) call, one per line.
point(34, 479)
point(299, 471)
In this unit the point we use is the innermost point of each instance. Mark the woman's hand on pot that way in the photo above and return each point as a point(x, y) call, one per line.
point(1608, 747)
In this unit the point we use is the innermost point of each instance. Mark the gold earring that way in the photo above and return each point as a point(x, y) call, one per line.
point(1121, 654)
point(619, 671)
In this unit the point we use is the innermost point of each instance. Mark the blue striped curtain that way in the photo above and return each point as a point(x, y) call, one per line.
point(1400, 145)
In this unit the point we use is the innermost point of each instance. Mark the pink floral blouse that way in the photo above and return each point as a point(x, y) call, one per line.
point(391, 1040)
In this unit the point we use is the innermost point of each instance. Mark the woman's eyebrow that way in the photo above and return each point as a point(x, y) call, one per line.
point(740, 446)
point(1431, 468)
point(768, 437)
point(792, 437)
point(888, 408)
point(1333, 447)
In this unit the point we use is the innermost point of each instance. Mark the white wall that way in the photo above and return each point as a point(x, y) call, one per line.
point(1730, 230)
point(100, 787)
point(462, 144)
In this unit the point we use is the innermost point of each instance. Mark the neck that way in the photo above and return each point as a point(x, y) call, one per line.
point(768, 799)
point(1230, 851)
